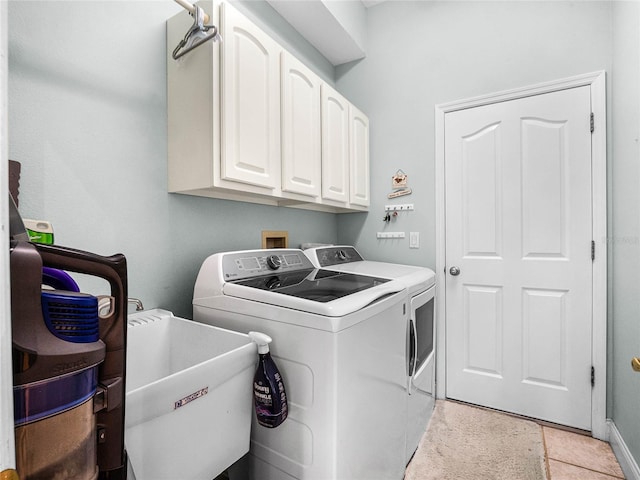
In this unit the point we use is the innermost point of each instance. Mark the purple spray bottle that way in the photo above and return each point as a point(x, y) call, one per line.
point(269, 396)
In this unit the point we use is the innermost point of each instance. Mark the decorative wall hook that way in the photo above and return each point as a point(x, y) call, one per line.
point(399, 180)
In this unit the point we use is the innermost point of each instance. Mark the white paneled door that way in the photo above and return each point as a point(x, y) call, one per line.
point(518, 256)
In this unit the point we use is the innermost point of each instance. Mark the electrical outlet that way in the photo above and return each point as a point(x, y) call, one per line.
point(414, 239)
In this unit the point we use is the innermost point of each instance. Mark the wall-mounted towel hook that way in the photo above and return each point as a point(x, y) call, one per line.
point(198, 34)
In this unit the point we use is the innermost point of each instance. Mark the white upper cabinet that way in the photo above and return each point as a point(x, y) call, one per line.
point(345, 151)
point(248, 121)
point(335, 146)
point(359, 157)
point(250, 102)
point(300, 128)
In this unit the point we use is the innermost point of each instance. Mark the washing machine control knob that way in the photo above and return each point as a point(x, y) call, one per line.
point(342, 255)
point(274, 262)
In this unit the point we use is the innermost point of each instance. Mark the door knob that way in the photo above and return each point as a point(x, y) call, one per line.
point(635, 364)
point(454, 271)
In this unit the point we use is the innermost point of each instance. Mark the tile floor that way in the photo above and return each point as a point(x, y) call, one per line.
point(573, 456)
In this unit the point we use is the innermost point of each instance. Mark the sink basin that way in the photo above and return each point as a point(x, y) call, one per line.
point(189, 397)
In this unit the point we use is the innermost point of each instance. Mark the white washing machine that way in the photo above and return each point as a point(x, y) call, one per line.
point(420, 284)
point(339, 340)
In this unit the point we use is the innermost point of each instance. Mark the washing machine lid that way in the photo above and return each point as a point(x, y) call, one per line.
point(286, 278)
point(321, 292)
point(316, 284)
point(381, 269)
point(344, 258)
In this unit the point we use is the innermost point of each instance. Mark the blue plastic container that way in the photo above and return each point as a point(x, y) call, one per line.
point(71, 316)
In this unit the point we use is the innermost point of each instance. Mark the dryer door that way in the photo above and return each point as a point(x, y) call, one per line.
point(423, 326)
point(421, 398)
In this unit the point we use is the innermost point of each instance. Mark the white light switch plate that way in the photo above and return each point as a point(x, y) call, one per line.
point(414, 239)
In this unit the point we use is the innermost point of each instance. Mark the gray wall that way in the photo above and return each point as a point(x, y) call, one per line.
point(87, 120)
point(421, 54)
point(624, 217)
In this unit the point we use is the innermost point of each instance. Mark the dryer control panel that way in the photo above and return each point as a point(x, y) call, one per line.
point(328, 256)
point(255, 263)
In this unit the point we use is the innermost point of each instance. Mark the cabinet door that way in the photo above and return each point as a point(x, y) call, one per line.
point(359, 149)
point(335, 145)
point(250, 147)
point(300, 128)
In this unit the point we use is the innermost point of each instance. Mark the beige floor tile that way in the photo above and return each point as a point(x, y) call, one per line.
point(576, 449)
point(564, 471)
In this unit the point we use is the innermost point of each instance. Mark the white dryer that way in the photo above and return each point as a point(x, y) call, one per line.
point(340, 344)
point(420, 284)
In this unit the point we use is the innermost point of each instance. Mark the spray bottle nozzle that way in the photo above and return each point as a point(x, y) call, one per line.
point(261, 340)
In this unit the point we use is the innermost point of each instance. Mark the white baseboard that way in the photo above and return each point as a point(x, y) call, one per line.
point(625, 459)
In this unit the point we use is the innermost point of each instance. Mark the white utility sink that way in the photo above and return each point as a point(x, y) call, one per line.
point(189, 397)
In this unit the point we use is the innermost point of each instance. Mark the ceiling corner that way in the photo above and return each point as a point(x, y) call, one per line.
point(336, 30)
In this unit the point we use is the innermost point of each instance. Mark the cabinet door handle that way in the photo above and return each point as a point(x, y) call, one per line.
point(635, 364)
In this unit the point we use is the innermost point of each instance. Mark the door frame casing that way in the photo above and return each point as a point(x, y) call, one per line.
point(596, 81)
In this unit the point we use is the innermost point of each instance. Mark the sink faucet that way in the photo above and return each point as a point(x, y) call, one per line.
point(137, 303)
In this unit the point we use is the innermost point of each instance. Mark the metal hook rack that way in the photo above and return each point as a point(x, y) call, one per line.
point(198, 33)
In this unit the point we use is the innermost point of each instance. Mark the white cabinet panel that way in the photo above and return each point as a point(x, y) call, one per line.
point(335, 146)
point(193, 130)
point(345, 151)
point(250, 102)
point(359, 161)
point(301, 167)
